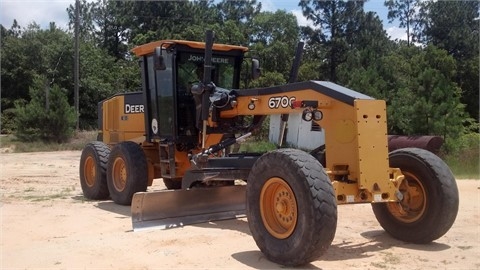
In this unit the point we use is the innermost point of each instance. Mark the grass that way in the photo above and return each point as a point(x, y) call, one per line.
point(41, 198)
point(388, 260)
point(63, 194)
point(257, 147)
point(464, 157)
point(464, 168)
point(76, 143)
point(465, 163)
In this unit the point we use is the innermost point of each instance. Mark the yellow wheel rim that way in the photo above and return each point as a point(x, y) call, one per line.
point(414, 202)
point(119, 174)
point(278, 208)
point(89, 171)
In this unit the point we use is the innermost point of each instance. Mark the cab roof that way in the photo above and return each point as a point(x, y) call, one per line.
point(150, 47)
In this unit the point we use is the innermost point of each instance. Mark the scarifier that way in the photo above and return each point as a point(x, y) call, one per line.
point(181, 128)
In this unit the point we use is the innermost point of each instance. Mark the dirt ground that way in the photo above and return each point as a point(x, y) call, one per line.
point(46, 223)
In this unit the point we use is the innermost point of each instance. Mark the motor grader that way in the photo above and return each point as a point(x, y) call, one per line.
point(180, 128)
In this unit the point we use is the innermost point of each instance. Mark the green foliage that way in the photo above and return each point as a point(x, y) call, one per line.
point(453, 26)
point(10, 143)
point(269, 79)
point(464, 156)
point(461, 20)
point(27, 54)
point(257, 146)
point(369, 81)
point(7, 121)
point(336, 25)
point(427, 101)
point(102, 77)
point(362, 69)
point(405, 11)
point(425, 87)
point(47, 117)
point(274, 38)
point(309, 71)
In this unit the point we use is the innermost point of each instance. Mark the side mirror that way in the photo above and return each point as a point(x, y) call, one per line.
point(256, 71)
point(158, 59)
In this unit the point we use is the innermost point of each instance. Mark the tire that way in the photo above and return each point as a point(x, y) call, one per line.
point(93, 167)
point(126, 172)
point(301, 227)
point(430, 198)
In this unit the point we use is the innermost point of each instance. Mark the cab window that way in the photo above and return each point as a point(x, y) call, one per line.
point(190, 70)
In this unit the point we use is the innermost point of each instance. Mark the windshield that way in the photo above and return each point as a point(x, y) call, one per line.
point(190, 70)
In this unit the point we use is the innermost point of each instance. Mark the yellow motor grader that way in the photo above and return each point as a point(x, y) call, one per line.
point(180, 128)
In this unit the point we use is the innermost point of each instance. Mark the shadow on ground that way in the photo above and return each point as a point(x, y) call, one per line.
point(110, 206)
point(374, 241)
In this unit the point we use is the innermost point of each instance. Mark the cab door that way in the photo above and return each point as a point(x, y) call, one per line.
point(159, 96)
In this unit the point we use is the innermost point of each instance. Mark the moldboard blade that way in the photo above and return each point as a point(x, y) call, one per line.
point(176, 208)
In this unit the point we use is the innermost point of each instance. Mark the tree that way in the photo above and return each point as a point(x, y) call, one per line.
point(102, 76)
point(454, 27)
point(425, 100)
point(240, 13)
point(86, 23)
point(48, 53)
point(336, 20)
point(369, 44)
point(405, 12)
point(112, 26)
point(106, 23)
point(271, 27)
point(47, 116)
point(274, 38)
point(156, 20)
point(239, 10)
point(32, 52)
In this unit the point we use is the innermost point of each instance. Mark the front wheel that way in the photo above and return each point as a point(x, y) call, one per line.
point(291, 207)
point(126, 172)
point(430, 198)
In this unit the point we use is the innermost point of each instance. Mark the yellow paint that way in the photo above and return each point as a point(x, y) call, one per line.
point(150, 47)
point(344, 131)
point(118, 126)
point(355, 135)
point(355, 139)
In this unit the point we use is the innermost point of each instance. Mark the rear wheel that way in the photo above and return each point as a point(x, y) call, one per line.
point(430, 198)
point(93, 167)
point(126, 172)
point(291, 207)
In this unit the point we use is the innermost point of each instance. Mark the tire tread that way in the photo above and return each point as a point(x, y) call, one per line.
point(323, 206)
point(101, 153)
point(445, 207)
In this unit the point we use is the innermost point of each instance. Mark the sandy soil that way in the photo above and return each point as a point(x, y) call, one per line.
point(46, 223)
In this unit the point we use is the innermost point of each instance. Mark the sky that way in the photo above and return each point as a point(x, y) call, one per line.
point(45, 11)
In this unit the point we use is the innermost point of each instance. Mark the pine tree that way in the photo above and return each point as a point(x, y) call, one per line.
point(47, 117)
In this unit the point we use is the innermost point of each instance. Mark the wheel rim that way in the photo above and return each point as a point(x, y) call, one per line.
point(89, 171)
point(278, 208)
point(414, 202)
point(119, 174)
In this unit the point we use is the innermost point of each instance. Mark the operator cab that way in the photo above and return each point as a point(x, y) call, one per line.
point(169, 70)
